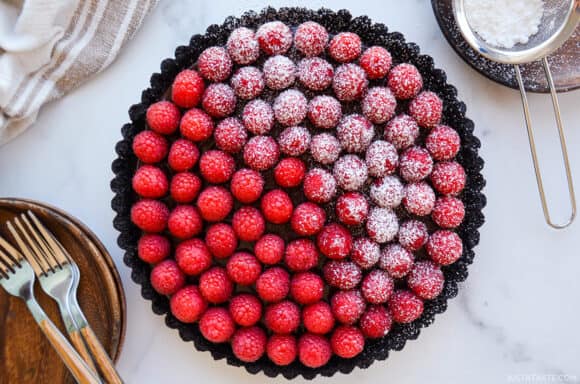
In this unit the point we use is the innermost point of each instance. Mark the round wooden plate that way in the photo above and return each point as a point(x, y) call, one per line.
point(25, 354)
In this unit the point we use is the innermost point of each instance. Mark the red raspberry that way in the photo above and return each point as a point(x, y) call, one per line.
point(426, 280)
point(342, 274)
point(261, 153)
point(196, 125)
point(413, 235)
point(277, 206)
point(216, 166)
point(376, 61)
point(163, 117)
point(183, 155)
point(290, 107)
point(221, 240)
point(289, 172)
point(274, 37)
point(243, 268)
point(365, 252)
point(248, 83)
point(184, 187)
point(184, 222)
point(230, 135)
point(448, 212)
point(242, 46)
point(307, 219)
point(405, 306)
point(282, 317)
point(216, 325)
point(375, 322)
point(187, 305)
point(444, 247)
point(294, 141)
point(387, 192)
point(314, 351)
point(318, 318)
point(325, 148)
point(443, 142)
point(246, 309)
point(378, 105)
point(402, 131)
point(187, 89)
point(269, 249)
point(347, 341)
point(419, 198)
point(279, 72)
point(319, 186)
point(193, 257)
point(306, 288)
point(167, 278)
point(315, 73)
point(258, 117)
point(153, 248)
point(396, 260)
point(416, 164)
point(324, 111)
point(350, 82)
point(214, 64)
point(215, 203)
point(381, 158)
point(249, 344)
point(426, 109)
point(247, 185)
point(150, 215)
point(382, 225)
point(150, 182)
point(310, 38)
point(150, 147)
point(350, 172)
point(448, 178)
point(273, 285)
point(215, 285)
point(347, 306)
point(248, 223)
point(282, 349)
point(355, 133)
point(377, 286)
point(334, 241)
point(352, 208)
point(405, 81)
point(345, 47)
point(219, 100)
point(301, 255)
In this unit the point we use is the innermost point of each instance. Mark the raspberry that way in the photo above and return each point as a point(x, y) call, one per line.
point(419, 198)
point(347, 306)
point(375, 322)
point(261, 153)
point(426, 280)
point(279, 72)
point(248, 83)
point(221, 240)
point(342, 274)
point(150, 182)
point(325, 148)
point(219, 100)
point(150, 147)
point(387, 192)
point(183, 155)
point(150, 215)
point(444, 247)
point(167, 278)
point(242, 46)
point(324, 111)
point(215, 203)
point(310, 38)
point(243, 268)
point(306, 288)
point(318, 318)
point(248, 223)
point(413, 235)
point(416, 164)
point(163, 117)
point(307, 219)
point(277, 206)
point(193, 257)
point(334, 241)
point(269, 249)
point(273, 285)
point(405, 306)
point(216, 325)
point(187, 304)
point(282, 317)
point(314, 351)
point(215, 285)
point(282, 349)
point(352, 208)
point(405, 81)
point(246, 309)
point(184, 187)
point(448, 178)
point(377, 286)
point(247, 185)
point(347, 341)
point(382, 225)
point(153, 248)
point(396, 260)
point(301, 255)
point(184, 222)
point(214, 64)
point(381, 158)
point(319, 185)
point(315, 73)
point(294, 141)
point(376, 61)
point(258, 117)
point(365, 252)
point(196, 125)
point(349, 82)
point(345, 47)
point(350, 172)
point(289, 172)
point(443, 143)
point(230, 135)
point(355, 133)
point(216, 166)
point(187, 89)
point(402, 131)
point(290, 107)
point(378, 105)
point(426, 109)
point(249, 344)
point(448, 212)
point(274, 37)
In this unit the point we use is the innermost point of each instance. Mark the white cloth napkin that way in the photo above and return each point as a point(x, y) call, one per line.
point(53, 46)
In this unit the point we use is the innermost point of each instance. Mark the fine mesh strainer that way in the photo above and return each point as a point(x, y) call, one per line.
point(559, 21)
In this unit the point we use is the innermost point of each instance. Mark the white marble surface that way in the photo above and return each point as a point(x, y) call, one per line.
point(518, 312)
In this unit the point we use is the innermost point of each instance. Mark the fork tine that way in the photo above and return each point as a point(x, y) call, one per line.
point(9, 257)
point(4, 270)
point(47, 254)
point(56, 247)
point(29, 253)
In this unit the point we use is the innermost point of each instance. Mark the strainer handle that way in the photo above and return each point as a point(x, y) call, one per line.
point(556, 106)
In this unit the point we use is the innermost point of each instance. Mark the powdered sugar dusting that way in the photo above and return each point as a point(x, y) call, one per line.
point(294, 141)
point(258, 117)
point(325, 148)
point(248, 82)
point(279, 72)
point(382, 158)
point(290, 107)
point(365, 252)
point(315, 73)
point(350, 172)
point(387, 192)
point(324, 111)
point(242, 46)
point(378, 105)
point(355, 133)
point(382, 225)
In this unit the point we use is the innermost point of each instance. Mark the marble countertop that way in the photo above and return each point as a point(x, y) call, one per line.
point(516, 316)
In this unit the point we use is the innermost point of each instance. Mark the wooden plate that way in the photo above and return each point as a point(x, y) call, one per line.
point(25, 355)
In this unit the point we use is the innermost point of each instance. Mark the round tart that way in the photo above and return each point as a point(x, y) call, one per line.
point(298, 191)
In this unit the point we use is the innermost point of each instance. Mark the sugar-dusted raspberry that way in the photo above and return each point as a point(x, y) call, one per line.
point(301, 255)
point(258, 117)
point(345, 47)
point(247, 185)
point(402, 131)
point(324, 111)
point(352, 208)
point(342, 274)
point(242, 46)
point(246, 309)
point(314, 351)
point(318, 318)
point(273, 285)
point(215, 203)
point(307, 219)
point(282, 349)
point(444, 247)
point(196, 125)
point(184, 187)
point(347, 306)
point(419, 198)
point(150, 215)
point(334, 241)
point(365, 252)
point(219, 100)
point(187, 89)
point(153, 248)
point(184, 222)
point(310, 38)
point(396, 260)
point(315, 73)
point(216, 325)
point(405, 306)
point(426, 280)
point(381, 158)
point(382, 225)
point(183, 155)
point(426, 109)
point(150, 147)
point(325, 148)
point(163, 117)
point(350, 82)
point(405, 81)
point(248, 83)
point(387, 192)
point(350, 172)
point(249, 344)
point(376, 61)
point(448, 178)
point(443, 143)
point(290, 107)
point(377, 287)
point(269, 249)
point(375, 322)
point(413, 235)
point(149, 181)
point(187, 304)
point(274, 37)
point(282, 317)
point(378, 104)
point(294, 141)
point(214, 64)
point(319, 185)
point(279, 72)
point(448, 212)
point(193, 256)
point(355, 133)
point(167, 278)
point(347, 341)
point(306, 288)
point(277, 206)
point(215, 285)
point(415, 164)
point(221, 240)
point(243, 268)
point(216, 166)
point(230, 135)
point(248, 223)
point(289, 172)
point(261, 153)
